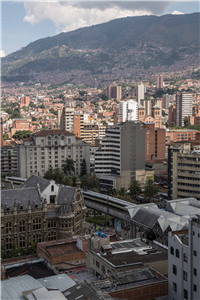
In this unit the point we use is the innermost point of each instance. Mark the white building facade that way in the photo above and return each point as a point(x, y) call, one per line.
point(141, 89)
point(184, 263)
point(128, 111)
point(183, 107)
point(50, 148)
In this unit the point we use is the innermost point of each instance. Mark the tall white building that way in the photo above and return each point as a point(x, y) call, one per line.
point(183, 107)
point(128, 111)
point(184, 263)
point(121, 158)
point(140, 92)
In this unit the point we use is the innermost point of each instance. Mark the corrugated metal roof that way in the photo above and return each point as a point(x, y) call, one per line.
point(60, 282)
point(146, 217)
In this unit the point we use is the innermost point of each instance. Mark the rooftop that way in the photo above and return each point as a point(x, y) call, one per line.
point(129, 279)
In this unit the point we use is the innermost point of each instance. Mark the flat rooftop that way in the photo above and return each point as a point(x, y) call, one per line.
point(129, 256)
point(130, 279)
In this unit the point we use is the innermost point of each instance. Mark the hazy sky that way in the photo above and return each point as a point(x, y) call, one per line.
point(25, 22)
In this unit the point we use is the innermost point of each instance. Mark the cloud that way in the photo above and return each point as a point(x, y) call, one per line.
point(69, 16)
point(176, 12)
point(2, 53)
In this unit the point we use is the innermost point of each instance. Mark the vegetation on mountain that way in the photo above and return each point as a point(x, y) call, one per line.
point(165, 39)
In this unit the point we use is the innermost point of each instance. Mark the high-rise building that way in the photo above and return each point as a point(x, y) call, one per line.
point(183, 260)
point(128, 111)
point(140, 92)
point(1, 132)
point(121, 158)
point(183, 107)
point(116, 92)
point(165, 101)
point(183, 171)
point(91, 132)
point(147, 105)
point(50, 148)
point(159, 82)
point(172, 115)
point(68, 116)
point(154, 142)
point(24, 101)
point(9, 160)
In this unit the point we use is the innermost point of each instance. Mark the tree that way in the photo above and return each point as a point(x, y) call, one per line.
point(58, 175)
point(90, 182)
point(121, 192)
point(22, 134)
point(34, 119)
point(104, 123)
point(82, 93)
point(53, 111)
point(67, 180)
point(5, 137)
point(163, 113)
point(187, 122)
point(49, 174)
point(172, 125)
point(150, 189)
point(135, 189)
point(83, 168)
point(69, 167)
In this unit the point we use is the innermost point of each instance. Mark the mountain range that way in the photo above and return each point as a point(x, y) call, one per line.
point(130, 42)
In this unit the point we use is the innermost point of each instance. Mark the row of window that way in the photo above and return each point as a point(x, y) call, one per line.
point(185, 292)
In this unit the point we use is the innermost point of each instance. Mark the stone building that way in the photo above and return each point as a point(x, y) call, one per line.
point(40, 211)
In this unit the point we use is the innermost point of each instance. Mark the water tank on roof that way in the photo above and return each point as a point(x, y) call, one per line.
point(99, 233)
point(103, 235)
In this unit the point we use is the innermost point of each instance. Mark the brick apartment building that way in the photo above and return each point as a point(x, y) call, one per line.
point(154, 142)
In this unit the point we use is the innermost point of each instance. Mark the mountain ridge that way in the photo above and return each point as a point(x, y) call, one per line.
point(90, 47)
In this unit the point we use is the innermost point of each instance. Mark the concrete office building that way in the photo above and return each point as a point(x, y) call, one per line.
point(121, 158)
point(183, 262)
point(140, 92)
point(50, 148)
point(183, 171)
point(183, 107)
point(128, 111)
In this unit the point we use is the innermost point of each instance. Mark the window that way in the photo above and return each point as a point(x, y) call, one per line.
point(36, 223)
point(8, 227)
point(184, 275)
point(37, 237)
point(193, 233)
point(8, 243)
point(174, 270)
point(97, 264)
point(174, 287)
point(22, 241)
point(195, 272)
point(177, 253)
point(69, 141)
point(52, 235)
point(185, 294)
point(51, 224)
point(171, 250)
point(195, 253)
point(185, 258)
point(194, 288)
point(22, 225)
point(52, 188)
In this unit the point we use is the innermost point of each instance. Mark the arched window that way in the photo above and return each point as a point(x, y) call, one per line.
point(52, 188)
point(177, 253)
point(171, 250)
